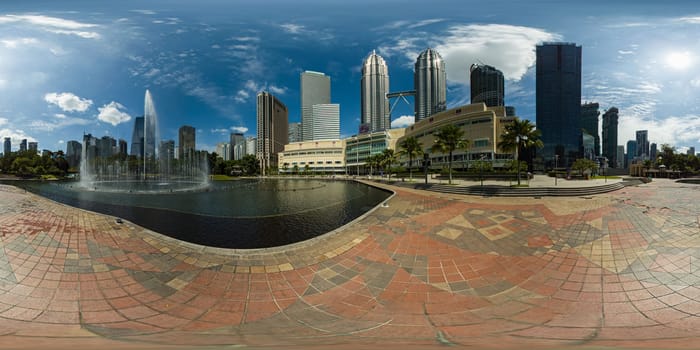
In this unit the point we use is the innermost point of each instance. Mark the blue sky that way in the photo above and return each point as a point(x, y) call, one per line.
point(71, 67)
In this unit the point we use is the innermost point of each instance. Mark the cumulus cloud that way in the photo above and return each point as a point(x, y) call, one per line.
point(224, 131)
point(68, 101)
point(54, 25)
point(691, 20)
point(13, 43)
point(403, 121)
point(60, 121)
point(509, 48)
point(112, 113)
point(240, 129)
point(677, 131)
point(252, 88)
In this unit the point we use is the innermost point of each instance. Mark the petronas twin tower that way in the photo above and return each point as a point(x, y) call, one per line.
point(430, 81)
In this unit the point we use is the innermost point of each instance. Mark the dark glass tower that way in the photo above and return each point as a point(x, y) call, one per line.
point(610, 136)
point(589, 123)
point(137, 138)
point(642, 137)
point(272, 130)
point(558, 90)
point(430, 81)
point(486, 85)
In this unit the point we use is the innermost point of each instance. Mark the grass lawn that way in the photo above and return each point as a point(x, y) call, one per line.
point(604, 177)
point(223, 177)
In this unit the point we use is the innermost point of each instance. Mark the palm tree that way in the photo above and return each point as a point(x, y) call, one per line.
point(448, 139)
point(373, 162)
point(387, 159)
point(411, 147)
point(518, 136)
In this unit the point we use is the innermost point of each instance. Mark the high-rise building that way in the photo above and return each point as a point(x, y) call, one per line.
point(7, 149)
point(691, 151)
point(237, 146)
point(326, 122)
point(653, 151)
point(610, 138)
point(620, 157)
point(642, 138)
point(186, 142)
point(33, 147)
point(137, 138)
point(273, 131)
point(374, 85)
point(223, 150)
point(430, 82)
point(558, 90)
point(589, 123)
point(166, 151)
point(122, 148)
point(294, 133)
point(106, 147)
point(315, 89)
point(251, 146)
point(631, 153)
point(74, 150)
point(486, 85)
point(23, 145)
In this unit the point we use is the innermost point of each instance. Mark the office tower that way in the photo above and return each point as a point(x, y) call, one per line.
point(122, 150)
point(237, 146)
point(486, 85)
point(272, 131)
point(589, 123)
point(510, 111)
point(653, 152)
point(430, 82)
point(374, 85)
point(326, 122)
point(106, 147)
point(631, 152)
point(315, 89)
point(74, 150)
point(619, 157)
point(558, 90)
point(7, 149)
point(642, 144)
point(223, 150)
point(186, 142)
point(294, 134)
point(610, 138)
point(251, 146)
point(691, 151)
point(23, 145)
point(166, 151)
point(137, 138)
point(33, 147)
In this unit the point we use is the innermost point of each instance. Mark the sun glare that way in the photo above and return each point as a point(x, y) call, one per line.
point(679, 60)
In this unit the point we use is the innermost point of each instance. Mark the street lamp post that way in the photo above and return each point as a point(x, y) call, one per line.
point(556, 165)
point(426, 164)
point(481, 169)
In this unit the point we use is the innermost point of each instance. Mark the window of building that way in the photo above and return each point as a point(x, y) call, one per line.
point(481, 143)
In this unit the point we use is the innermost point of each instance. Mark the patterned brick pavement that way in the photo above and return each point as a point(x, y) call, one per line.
point(429, 270)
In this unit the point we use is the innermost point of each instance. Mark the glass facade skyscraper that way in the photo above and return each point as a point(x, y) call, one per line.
point(186, 142)
point(558, 90)
point(272, 130)
point(374, 86)
point(486, 85)
point(610, 137)
point(642, 137)
point(315, 89)
point(137, 138)
point(7, 146)
point(430, 81)
point(589, 123)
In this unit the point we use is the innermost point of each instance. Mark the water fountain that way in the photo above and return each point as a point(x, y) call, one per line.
point(152, 169)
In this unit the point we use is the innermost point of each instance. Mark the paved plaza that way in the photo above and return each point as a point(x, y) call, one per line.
point(428, 270)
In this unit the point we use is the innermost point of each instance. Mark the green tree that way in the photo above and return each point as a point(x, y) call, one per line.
point(518, 136)
point(583, 164)
point(250, 165)
point(388, 158)
point(448, 139)
point(413, 148)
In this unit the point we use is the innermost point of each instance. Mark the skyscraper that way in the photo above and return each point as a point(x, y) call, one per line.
point(430, 82)
point(326, 122)
point(653, 151)
point(7, 149)
point(486, 85)
point(33, 146)
point(315, 89)
point(610, 137)
point(642, 138)
point(620, 158)
point(294, 133)
point(122, 147)
point(558, 90)
point(237, 145)
point(631, 152)
point(374, 85)
point(691, 151)
point(272, 131)
point(23, 145)
point(74, 150)
point(186, 142)
point(589, 123)
point(137, 138)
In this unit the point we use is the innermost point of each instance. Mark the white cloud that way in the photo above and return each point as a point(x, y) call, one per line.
point(68, 102)
point(691, 20)
point(677, 131)
point(54, 25)
point(145, 12)
point(13, 43)
point(252, 88)
point(624, 52)
point(292, 28)
point(111, 113)
point(60, 116)
point(412, 25)
point(403, 121)
point(277, 90)
point(240, 129)
point(3, 121)
point(57, 123)
point(511, 49)
point(241, 96)
point(16, 136)
point(219, 131)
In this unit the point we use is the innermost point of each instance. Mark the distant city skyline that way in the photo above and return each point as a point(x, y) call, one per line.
point(79, 68)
